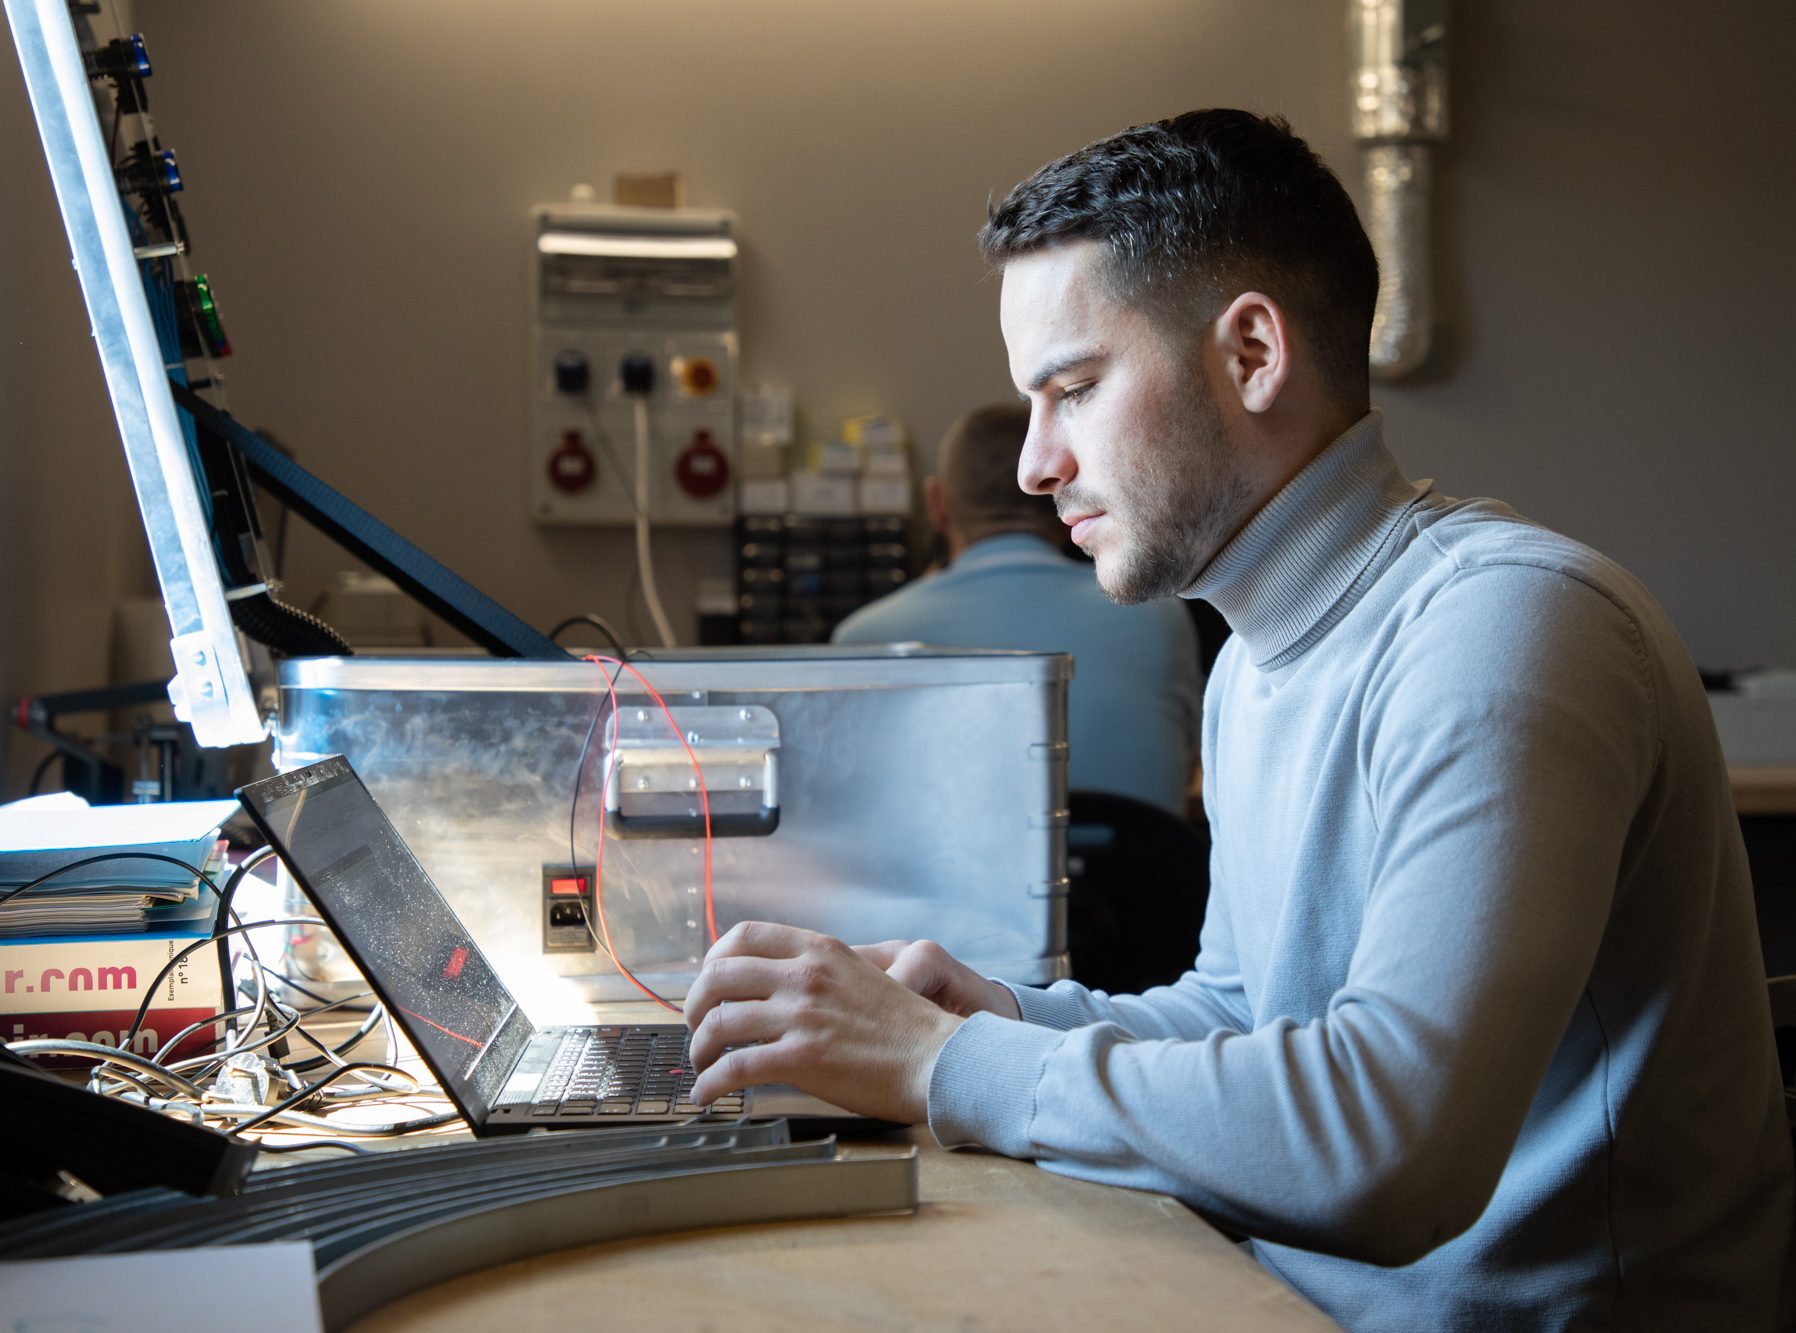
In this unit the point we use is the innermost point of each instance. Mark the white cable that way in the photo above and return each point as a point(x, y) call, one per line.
point(643, 561)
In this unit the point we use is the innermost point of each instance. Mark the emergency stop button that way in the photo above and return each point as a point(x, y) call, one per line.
point(697, 376)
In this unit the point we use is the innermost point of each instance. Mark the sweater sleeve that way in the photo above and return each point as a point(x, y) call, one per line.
point(1208, 998)
point(1507, 736)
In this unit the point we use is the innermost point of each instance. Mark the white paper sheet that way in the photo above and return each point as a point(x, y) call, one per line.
point(30, 826)
point(268, 1288)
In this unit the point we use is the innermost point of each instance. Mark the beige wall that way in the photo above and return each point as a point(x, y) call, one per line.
point(1615, 213)
point(70, 540)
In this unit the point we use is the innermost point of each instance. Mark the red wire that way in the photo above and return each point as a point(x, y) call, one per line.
point(598, 867)
point(704, 796)
point(604, 800)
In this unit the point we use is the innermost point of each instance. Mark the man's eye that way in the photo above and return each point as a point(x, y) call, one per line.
point(1075, 392)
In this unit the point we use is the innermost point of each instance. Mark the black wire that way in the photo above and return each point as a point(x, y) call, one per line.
point(223, 1016)
point(304, 1094)
point(216, 1061)
point(634, 599)
point(295, 1018)
point(43, 767)
point(123, 1074)
point(342, 1048)
point(324, 1000)
point(422, 1122)
point(344, 1144)
point(180, 957)
point(599, 623)
point(248, 864)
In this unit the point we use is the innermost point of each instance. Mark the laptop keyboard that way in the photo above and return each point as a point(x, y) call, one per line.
point(624, 1072)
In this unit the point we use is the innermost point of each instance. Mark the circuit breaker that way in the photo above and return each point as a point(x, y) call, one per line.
point(633, 365)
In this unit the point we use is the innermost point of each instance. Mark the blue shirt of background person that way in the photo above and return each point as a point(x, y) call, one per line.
point(1135, 703)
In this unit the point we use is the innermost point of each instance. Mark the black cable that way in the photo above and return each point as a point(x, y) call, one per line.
point(375, 1015)
point(180, 957)
point(599, 623)
point(122, 1075)
point(324, 1000)
point(304, 1094)
point(223, 1016)
point(248, 864)
point(105, 1055)
point(43, 767)
point(287, 629)
point(422, 1122)
point(344, 1144)
point(217, 1059)
point(634, 598)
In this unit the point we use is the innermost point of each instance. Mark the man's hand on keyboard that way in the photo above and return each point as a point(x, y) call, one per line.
point(776, 1004)
point(937, 975)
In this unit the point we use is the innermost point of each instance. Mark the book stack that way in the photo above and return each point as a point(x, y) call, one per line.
point(78, 950)
point(115, 897)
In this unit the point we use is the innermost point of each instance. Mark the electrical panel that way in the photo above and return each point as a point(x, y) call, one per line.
point(633, 365)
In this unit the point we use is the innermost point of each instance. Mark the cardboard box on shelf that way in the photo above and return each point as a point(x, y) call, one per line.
point(763, 495)
point(760, 462)
point(874, 432)
point(814, 493)
point(891, 460)
point(885, 495)
point(835, 458)
point(655, 189)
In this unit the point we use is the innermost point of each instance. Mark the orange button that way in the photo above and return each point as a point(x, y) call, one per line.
point(568, 886)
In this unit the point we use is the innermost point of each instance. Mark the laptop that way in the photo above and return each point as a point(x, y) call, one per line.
point(502, 1072)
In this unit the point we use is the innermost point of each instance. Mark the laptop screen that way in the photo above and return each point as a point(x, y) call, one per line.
point(396, 924)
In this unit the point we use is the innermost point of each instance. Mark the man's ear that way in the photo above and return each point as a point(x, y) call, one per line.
point(935, 504)
point(1255, 344)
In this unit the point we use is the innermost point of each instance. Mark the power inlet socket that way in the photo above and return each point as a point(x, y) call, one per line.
point(569, 921)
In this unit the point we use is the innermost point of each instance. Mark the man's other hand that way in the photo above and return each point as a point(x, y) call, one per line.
point(935, 974)
point(805, 1009)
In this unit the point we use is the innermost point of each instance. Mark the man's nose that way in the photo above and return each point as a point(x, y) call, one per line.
point(1045, 465)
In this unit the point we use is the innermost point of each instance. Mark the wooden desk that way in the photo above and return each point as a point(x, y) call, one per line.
point(997, 1244)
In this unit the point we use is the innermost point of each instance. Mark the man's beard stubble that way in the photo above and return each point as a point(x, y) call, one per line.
point(1179, 510)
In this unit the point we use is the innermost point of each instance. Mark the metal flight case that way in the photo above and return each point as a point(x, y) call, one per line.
point(871, 794)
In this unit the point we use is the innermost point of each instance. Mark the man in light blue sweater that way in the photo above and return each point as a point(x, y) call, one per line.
point(1477, 1034)
point(1136, 697)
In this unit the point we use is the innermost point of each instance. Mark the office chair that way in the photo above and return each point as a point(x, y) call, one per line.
point(1138, 878)
point(1783, 1028)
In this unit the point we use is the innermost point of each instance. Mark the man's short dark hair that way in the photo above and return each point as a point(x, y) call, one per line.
point(1195, 210)
point(977, 467)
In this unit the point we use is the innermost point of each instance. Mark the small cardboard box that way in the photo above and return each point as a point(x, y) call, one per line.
point(814, 493)
point(885, 495)
point(763, 495)
point(659, 189)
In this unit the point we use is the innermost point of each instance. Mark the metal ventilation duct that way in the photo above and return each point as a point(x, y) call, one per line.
point(1399, 114)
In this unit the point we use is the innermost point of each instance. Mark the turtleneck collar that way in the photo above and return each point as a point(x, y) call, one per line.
point(1303, 561)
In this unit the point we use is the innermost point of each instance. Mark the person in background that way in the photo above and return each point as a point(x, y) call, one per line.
point(1135, 701)
point(1477, 1036)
